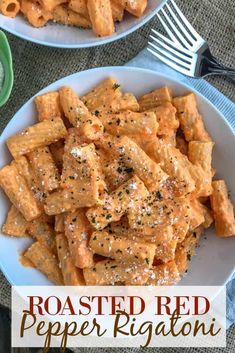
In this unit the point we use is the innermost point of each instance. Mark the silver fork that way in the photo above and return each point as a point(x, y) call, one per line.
point(185, 50)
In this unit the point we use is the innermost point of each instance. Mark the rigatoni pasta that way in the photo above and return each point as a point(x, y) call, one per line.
point(35, 13)
point(190, 120)
point(9, 8)
point(122, 249)
point(110, 272)
point(49, 5)
point(134, 157)
point(78, 232)
point(130, 123)
point(79, 6)
point(45, 261)
point(222, 209)
point(166, 118)
point(117, 10)
point(136, 7)
point(18, 192)
point(175, 164)
point(59, 223)
point(155, 98)
point(44, 168)
point(164, 275)
point(123, 196)
point(115, 205)
point(100, 15)
point(15, 225)
point(186, 250)
point(48, 106)
point(43, 231)
point(38, 135)
point(78, 114)
point(64, 15)
point(72, 275)
point(102, 96)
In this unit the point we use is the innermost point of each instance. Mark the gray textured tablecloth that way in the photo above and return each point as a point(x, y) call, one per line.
point(37, 66)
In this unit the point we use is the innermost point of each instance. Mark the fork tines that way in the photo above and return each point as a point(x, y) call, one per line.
point(178, 27)
point(178, 50)
point(172, 54)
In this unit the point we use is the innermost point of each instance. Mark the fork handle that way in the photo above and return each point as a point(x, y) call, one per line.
point(215, 68)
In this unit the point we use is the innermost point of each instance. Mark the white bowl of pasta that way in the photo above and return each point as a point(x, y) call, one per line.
point(67, 23)
point(123, 187)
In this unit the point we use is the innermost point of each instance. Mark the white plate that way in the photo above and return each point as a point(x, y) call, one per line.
point(56, 35)
point(215, 259)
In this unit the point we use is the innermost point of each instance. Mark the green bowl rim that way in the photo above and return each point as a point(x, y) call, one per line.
point(6, 60)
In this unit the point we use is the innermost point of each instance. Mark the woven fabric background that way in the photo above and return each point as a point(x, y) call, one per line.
point(37, 66)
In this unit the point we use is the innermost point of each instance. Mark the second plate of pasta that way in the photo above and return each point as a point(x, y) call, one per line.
point(113, 180)
point(75, 24)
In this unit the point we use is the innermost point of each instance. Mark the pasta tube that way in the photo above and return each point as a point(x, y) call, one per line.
point(163, 238)
point(122, 249)
point(197, 215)
point(48, 105)
point(38, 135)
point(102, 95)
point(15, 224)
point(49, 5)
point(165, 241)
point(200, 154)
point(114, 171)
point(190, 120)
point(156, 212)
point(77, 231)
point(42, 230)
point(18, 192)
point(109, 272)
point(81, 182)
point(176, 165)
point(222, 209)
point(78, 114)
point(100, 13)
point(44, 168)
point(146, 169)
point(45, 262)
point(57, 151)
point(186, 249)
point(59, 223)
point(155, 98)
point(65, 15)
point(72, 275)
point(81, 171)
point(166, 118)
point(26, 171)
point(79, 6)
point(130, 123)
point(136, 7)
point(35, 13)
point(164, 275)
point(127, 196)
point(9, 8)
point(117, 10)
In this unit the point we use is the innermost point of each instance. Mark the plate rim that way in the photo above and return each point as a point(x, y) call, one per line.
point(116, 68)
point(100, 42)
